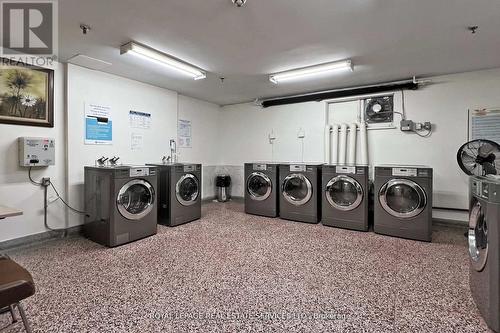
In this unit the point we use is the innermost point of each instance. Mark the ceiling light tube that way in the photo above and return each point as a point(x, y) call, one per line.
point(311, 71)
point(163, 59)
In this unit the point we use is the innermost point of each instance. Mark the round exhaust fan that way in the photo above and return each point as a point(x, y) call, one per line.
point(379, 109)
point(479, 158)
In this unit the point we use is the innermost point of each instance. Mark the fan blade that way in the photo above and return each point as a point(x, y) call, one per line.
point(467, 158)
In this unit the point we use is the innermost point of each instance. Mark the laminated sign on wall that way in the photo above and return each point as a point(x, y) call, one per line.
point(98, 125)
point(184, 133)
point(485, 124)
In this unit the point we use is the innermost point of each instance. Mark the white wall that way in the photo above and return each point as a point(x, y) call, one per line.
point(81, 86)
point(444, 102)
point(223, 139)
point(205, 120)
point(123, 95)
point(15, 188)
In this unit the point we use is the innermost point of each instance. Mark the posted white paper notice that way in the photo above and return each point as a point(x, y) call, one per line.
point(136, 141)
point(485, 124)
point(139, 119)
point(184, 129)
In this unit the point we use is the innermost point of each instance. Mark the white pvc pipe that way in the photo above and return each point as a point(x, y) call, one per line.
point(353, 132)
point(363, 137)
point(327, 144)
point(334, 155)
point(342, 144)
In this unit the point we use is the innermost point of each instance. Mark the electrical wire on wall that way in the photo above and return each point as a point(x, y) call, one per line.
point(272, 150)
point(45, 183)
point(410, 126)
point(403, 106)
point(272, 138)
point(301, 135)
point(302, 154)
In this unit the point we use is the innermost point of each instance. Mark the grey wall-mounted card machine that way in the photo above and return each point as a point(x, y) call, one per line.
point(36, 151)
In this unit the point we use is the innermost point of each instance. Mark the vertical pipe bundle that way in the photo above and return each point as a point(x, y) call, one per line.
point(343, 144)
point(353, 132)
point(334, 155)
point(363, 137)
point(327, 155)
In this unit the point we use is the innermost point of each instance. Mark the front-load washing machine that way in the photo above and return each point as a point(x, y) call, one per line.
point(344, 202)
point(120, 204)
point(484, 247)
point(261, 189)
point(179, 193)
point(300, 187)
point(403, 202)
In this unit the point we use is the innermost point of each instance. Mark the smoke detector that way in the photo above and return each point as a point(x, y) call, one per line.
point(239, 3)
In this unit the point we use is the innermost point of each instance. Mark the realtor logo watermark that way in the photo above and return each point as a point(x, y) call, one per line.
point(29, 29)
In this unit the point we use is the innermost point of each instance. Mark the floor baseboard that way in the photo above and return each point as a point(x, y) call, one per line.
point(36, 239)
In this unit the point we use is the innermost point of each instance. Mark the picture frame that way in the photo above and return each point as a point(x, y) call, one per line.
point(26, 94)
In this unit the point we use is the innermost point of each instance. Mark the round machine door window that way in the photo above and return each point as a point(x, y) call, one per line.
point(187, 190)
point(478, 238)
point(259, 186)
point(135, 199)
point(402, 198)
point(344, 193)
point(297, 189)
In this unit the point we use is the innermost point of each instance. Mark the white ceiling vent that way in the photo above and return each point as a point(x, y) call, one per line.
point(89, 62)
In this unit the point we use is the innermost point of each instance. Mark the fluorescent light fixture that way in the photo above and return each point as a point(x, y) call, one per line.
point(311, 71)
point(161, 58)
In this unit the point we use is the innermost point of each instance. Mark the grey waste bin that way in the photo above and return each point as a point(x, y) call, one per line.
point(223, 182)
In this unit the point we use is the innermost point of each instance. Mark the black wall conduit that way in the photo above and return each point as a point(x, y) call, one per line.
point(411, 84)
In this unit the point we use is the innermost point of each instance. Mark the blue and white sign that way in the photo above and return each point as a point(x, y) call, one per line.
point(98, 125)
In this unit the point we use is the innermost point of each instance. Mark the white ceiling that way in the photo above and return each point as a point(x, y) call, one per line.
point(386, 39)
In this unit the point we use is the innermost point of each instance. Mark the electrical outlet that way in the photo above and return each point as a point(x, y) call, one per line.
point(407, 126)
point(46, 181)
point(301, 134)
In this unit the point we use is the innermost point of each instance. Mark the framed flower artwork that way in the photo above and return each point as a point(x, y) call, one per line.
point(26, 94)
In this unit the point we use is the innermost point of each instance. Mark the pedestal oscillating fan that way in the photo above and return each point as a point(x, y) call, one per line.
point(479, 158)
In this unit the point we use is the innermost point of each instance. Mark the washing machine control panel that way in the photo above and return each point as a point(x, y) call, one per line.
point(346, 169)
point(140, 172)
point(259, 167)
point(298, 168)
point(405, 172)
point(476, 187)
point(485, 190)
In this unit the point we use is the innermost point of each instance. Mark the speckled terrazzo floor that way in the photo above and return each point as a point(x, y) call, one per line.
point(233, 272)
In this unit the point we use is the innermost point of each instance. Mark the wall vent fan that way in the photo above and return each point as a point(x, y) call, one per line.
point(379, 109)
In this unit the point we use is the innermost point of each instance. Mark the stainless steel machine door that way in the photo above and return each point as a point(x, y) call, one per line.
point(259, 186)
point(187, 189)
point(344, 193)
point(135, 199)
point(402, 198)
point(297, 189)
point(478, 237)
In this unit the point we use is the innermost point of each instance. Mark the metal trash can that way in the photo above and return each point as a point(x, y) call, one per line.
point(223, 182)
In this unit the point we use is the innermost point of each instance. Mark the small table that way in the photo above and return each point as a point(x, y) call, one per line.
point(9, 212)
